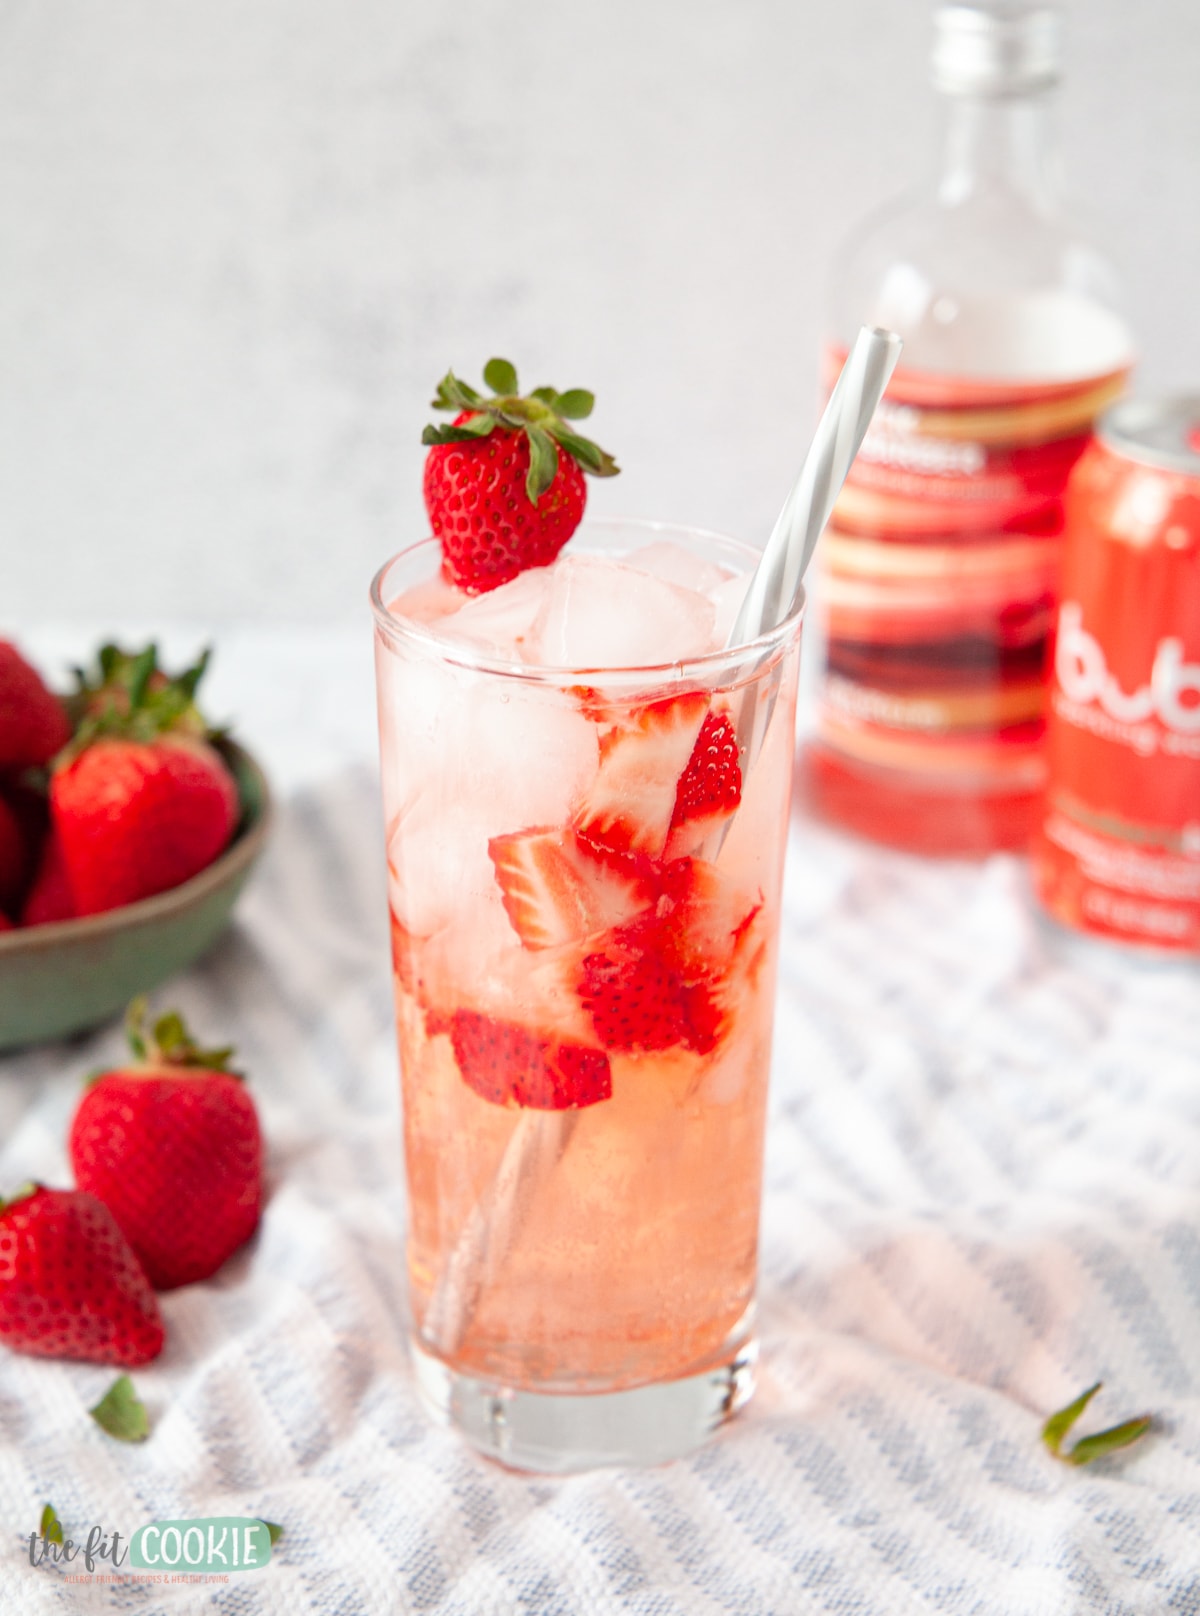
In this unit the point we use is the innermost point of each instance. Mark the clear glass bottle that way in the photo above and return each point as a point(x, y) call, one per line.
point(936, 589)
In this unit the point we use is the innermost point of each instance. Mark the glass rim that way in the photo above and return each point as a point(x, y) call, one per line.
point(457, 653)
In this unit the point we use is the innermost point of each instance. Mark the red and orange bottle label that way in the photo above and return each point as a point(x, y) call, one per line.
point(939, 579)
point(1118, 850)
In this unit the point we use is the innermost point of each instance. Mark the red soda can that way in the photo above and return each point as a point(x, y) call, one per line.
point(1117, 851)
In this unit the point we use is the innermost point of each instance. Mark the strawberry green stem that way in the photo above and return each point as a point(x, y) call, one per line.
point(543, 416)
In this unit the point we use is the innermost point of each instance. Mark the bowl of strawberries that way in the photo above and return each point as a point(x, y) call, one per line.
point(128, 827)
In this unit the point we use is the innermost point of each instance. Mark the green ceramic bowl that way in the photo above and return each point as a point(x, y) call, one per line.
point(61, 978)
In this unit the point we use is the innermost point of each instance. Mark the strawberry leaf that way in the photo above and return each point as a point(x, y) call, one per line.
point(500, 376)
point(576, 403)
point(170, 1033)
point(1059, 1424)
point(590, 456)
point(171, 1043)
point(139, 675)
point(543, 463)
point(121, 1412)
point(131, 697)
point(512, 412)
point(466, 432)
point(1100, 1443)
point(542, 416)
point(51, 1527)
point(135, 1018)
point(455, 395)
point(274, 1531)
point(191, 677)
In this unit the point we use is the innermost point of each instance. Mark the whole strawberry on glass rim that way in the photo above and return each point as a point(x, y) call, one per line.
point(140, 799)
point(503, 484)
point(170, 1142)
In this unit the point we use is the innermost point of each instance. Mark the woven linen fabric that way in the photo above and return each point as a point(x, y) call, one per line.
point(982, 1195)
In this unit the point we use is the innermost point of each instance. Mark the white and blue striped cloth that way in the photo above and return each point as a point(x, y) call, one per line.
point(983, 1193)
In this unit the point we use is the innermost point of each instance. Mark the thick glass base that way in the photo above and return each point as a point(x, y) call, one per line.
point(558, 1433)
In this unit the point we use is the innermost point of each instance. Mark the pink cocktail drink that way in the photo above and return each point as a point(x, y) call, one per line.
point(586, 805)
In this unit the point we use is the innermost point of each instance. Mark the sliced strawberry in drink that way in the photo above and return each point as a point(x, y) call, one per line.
point(662, 980)
point(503, 1061)
point(633, 993)
point(557, 887)
point(710, 787)
point(706, 1015)
point(568, 1077)
point(703, 918)
point(544, 895)
point(640, 1002)
point(630, 804)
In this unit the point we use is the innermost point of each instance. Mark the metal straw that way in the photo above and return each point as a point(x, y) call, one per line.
point(539, 1138)
point(773, 592)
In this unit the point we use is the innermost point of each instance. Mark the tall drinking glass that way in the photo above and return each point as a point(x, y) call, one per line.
point(584, 867)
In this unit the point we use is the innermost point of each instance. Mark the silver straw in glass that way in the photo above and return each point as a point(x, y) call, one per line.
point(539, 1138)
point(774, 590)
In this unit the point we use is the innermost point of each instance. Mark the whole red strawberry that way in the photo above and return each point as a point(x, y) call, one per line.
point(33, 722)
point(140, 801)
point(171, 1145)
point(70, 1287)
point(504, 484)
point(14, 859)
point(49, 897)
point(24, 820)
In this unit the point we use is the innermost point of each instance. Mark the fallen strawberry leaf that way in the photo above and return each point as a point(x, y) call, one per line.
point(1057, 1426)
point(121, 1413)
point(51, 1528)
point(1106, 1442)
point(1100, 1443)
point(274, 1532)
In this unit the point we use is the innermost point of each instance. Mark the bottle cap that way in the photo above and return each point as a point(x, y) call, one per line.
point(1159, 432)
point(996, 47)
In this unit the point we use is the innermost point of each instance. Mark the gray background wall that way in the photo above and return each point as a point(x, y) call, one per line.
point(239, 242)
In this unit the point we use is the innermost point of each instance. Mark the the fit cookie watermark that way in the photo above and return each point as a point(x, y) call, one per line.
point(217, 1544)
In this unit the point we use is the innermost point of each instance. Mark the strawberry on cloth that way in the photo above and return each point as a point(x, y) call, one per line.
point(33, 722)
point(140, 800)
point(504, 484)
point(70, 1287)
point(171, 1144)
